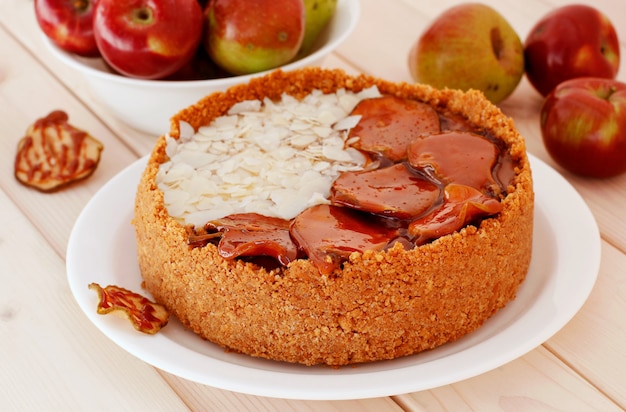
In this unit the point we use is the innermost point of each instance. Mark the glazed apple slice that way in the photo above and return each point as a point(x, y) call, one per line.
point(394, 191)
point(462, 205)
point(330, 234)
point(251, 234)
point(388, 124)
point(456, 157)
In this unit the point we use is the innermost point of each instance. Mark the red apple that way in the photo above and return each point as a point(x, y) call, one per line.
point(571, 41)
point(583, 124)
point(148, 39)
point(245, 36)
point(68, 23)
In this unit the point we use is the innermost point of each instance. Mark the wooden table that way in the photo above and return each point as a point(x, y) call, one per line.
point(53, 358)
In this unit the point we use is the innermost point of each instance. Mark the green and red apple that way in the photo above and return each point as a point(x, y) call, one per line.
point(569, 42)
point(244, 37)
point(317, 15)
point(583, 125)
point(469, 46)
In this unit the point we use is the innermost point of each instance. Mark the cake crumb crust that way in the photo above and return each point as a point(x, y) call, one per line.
point(381, 305)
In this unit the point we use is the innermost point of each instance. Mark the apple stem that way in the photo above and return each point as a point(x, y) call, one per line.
point(143, 15)
point(81, 6)
point(606, 93)
point(612, 91)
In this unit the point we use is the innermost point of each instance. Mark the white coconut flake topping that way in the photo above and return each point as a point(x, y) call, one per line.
point(271, 158)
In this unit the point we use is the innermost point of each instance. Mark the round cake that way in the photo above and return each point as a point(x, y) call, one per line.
point(408, 286)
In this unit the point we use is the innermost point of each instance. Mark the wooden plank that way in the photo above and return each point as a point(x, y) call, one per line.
point(199, 397)
point(28, 92)
point(535, 382)
point(52, 357)
point(593, 342)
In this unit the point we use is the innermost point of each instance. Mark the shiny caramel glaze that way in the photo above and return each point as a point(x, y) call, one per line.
point(389, 124)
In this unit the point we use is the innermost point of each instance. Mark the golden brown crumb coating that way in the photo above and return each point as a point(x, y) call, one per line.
point(382, 305)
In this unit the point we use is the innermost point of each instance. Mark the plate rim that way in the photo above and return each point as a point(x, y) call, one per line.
point(264, 381)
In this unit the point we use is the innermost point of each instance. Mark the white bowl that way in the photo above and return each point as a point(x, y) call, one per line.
point(147, 105)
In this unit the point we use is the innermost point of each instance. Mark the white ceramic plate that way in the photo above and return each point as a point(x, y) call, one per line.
point(564, 267)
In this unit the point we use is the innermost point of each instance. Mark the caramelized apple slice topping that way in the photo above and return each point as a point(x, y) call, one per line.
point(456, 122)
point(146, 316)
point(462, 205)
point(329, 234)
point(393, 191)
point(459, 157)
point(54, 153)
point(388, 124)
point(251, 234)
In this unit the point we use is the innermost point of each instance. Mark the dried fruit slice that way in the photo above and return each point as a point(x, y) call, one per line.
point(389, 124)
point(145, 315)
point(54, 153)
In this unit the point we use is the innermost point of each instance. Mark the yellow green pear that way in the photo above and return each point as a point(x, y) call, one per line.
point(317, 15)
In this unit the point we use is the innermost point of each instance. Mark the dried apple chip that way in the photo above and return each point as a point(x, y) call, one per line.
point(53, 153)
point(145, 315)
